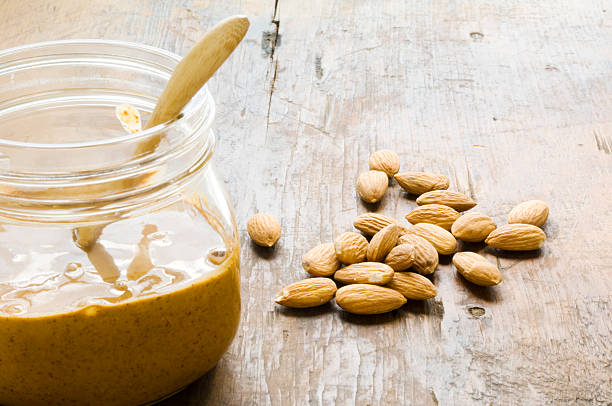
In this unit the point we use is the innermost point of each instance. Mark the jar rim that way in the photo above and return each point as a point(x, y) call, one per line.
point(189, 110)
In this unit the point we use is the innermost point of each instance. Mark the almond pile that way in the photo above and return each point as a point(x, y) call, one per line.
point(388, 263)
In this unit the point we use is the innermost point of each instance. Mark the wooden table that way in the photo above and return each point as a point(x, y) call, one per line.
point(511, 99)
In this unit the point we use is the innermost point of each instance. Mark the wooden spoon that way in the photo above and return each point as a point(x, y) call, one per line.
point(191, 73)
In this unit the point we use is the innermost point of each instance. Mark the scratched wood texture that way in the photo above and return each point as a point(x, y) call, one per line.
point(511, 99)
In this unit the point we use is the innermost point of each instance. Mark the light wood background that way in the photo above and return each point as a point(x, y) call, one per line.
point(511, 99)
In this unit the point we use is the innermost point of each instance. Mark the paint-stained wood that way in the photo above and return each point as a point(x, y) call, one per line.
point(510, 99)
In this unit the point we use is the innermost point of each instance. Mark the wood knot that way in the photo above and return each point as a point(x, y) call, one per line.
point(476, 35)
point(476, 311)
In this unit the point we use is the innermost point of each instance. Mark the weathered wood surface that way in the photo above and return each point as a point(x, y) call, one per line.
point(511, 99)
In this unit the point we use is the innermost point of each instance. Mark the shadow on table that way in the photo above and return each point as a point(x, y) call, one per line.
point(195, 394)
point(308, 312)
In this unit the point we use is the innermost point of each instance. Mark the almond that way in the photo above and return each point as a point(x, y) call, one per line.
point(372, 185)
point(321, 260)
point(426, 256)
point(533, 212)
point(386, 161)
point(517, 237)
point(401, 257)
point(456, 200)
point(412, 285)
point(365, 272)
point(307, 293)
point(351, 248)
point(383, 242)
point(476, 269)
point(417, 183)
point(371, 223)
point(473, 227)
point(264, 229)
point(368, 299)
point(442, 240)
point(437, 214)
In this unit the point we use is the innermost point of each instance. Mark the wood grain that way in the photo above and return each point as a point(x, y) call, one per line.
point(512, 100)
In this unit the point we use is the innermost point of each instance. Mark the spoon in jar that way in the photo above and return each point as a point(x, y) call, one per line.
point(189, 76)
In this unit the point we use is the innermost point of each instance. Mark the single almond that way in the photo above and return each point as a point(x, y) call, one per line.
point(437, 214)
point(371, 223)
point(413, 286)
point(417, 183)
point(473, 227)
point(365, 272)
point(321, 260)
point(425, 258)
point(476, 269)
point(368, 299)
point(517, 237)
point(386, 161)
point(533, 212)
point(442, 240)
point(351, 248)
point(307, 293)
point(372, 185)
point(264, 229)
point(456, 200)
point(383, 242)
point(401, 257)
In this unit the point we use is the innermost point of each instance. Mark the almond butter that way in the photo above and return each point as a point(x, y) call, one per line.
point(351, 248)
point(473, 227)
point(437, 214)
point(476, 269)
point(368, 299)
point(517, 237)
point(372, 185)
point(307, 293)
point(426, 256)
point(264, 229)
point(413, 286)
point(386, 161)
point(383, 242)
point(442, 240)
point(321, 260)
point(533, 212)
point(371, 223)
point(365, 272)
point(417, 183)
point(401, 257)
point(456, 200)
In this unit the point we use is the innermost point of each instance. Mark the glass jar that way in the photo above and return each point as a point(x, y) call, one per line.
point(119, 279)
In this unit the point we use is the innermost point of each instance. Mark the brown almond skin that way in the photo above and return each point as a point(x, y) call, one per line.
point(368, 299)
point(456, 200)
point(437, 214)
point(476, 269)
point(321, 260)
point(401, 257)
point(442, 240)
point(517, 237)
point(417, 183)
point(372, 185)
point(264, 229)
point(534, 212)
point(307, 293)
point(386, 161)
point(413, 286)
point(371, 223)
point(473, 227)
point(375, 273)
point(426, 257)
point(383, 242)
point(351, 248)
